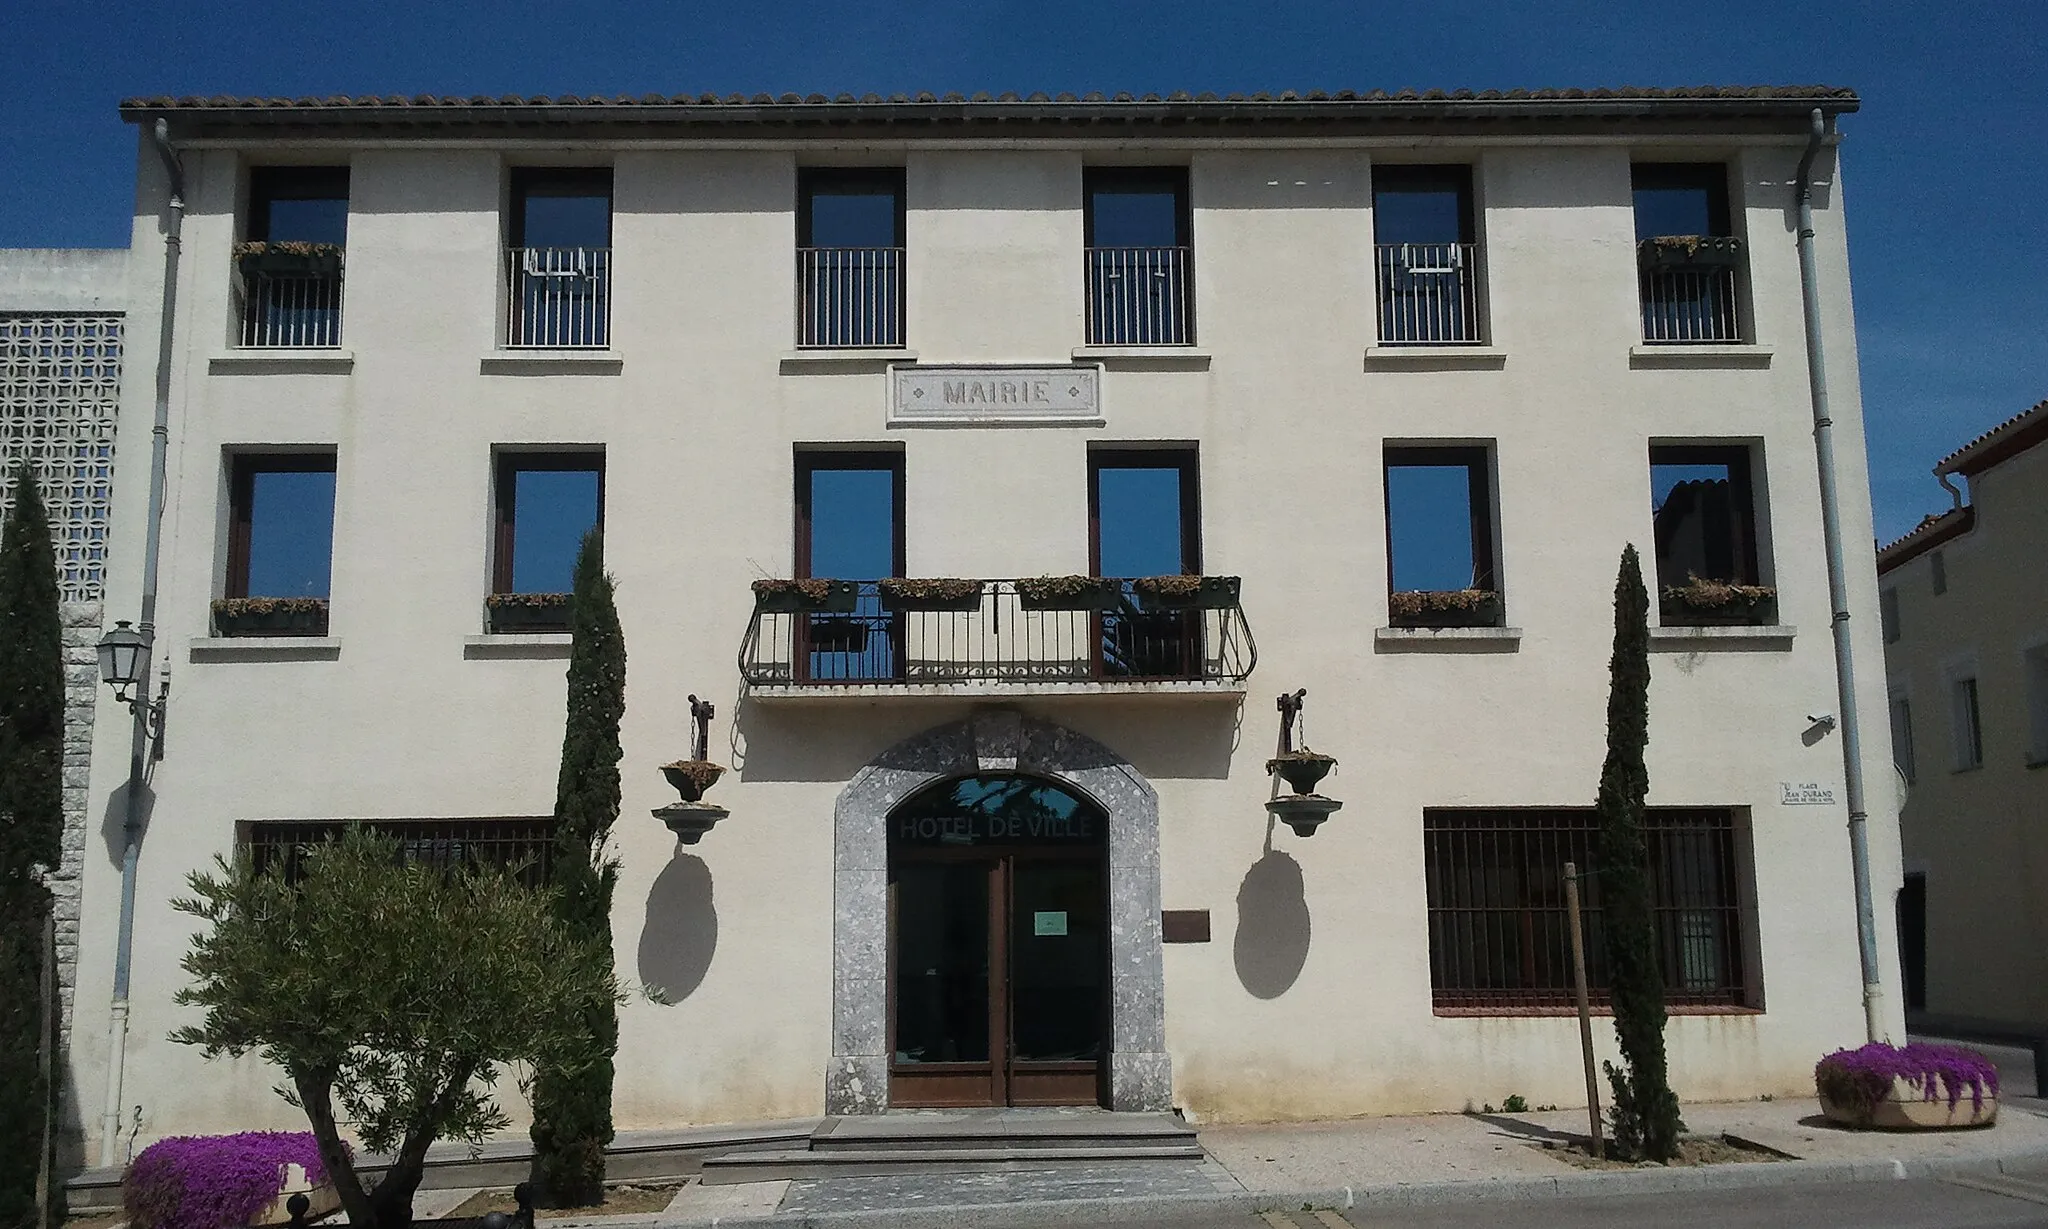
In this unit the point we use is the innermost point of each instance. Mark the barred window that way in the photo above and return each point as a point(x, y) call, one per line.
point(525, 843)
point(1498, 936)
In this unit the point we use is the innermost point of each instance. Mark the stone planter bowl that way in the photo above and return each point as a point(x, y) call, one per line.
point(1303, 812)
point(1907, 1108)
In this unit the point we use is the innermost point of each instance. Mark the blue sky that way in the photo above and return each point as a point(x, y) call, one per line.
point(1944, 179)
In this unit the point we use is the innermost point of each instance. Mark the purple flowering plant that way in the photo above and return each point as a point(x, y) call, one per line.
point(1858, 1079)
point(214, 1181)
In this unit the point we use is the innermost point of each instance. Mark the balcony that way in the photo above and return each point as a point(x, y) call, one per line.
point(1000, 642)
point(1429, 294)
point(1140, 296)
point(289, 295)
point(558, 298)
point(849, 298)
point(1690, 285)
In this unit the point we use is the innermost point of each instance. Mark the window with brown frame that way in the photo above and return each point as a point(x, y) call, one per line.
point(546, 503)
point(1498, 935)
point(1440, 536)
point(849, 526)
point(280, 544)
point(1145, 519)
point(1704, 523)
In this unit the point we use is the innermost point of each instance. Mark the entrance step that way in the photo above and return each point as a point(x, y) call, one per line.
point(943, 1141)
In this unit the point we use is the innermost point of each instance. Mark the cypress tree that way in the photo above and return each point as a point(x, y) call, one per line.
point(1645, 1113)
point(572, 1108)
point(31, 827)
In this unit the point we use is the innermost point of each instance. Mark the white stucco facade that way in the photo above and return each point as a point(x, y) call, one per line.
point(1286, 396)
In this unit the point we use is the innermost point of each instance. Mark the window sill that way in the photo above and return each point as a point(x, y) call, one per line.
point(1596, 1009)
point(851, 358)
point(552, 363)
point(1447, 639)
point(1641, 356)
point(1435, 358)
point(1722, 636)
point(263, 360)
point(1144, 358)
point(543, 645)
point(1957, 772)
point(265, 648)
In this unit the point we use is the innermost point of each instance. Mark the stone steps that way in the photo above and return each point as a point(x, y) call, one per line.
point(870, 1162)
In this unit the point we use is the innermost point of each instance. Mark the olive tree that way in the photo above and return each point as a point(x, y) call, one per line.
point(390, 991)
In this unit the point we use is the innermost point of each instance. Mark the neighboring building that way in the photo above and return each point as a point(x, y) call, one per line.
point(61, 316)
point(1335, 346)
point(1965, 610)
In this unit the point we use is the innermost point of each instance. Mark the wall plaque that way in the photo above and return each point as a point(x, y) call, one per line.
point(1001, 394)
point(1805, 794)
point(1184, 925)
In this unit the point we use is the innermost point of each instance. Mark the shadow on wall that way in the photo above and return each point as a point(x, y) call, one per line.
point(113, 825)
point(1272, 926)
point(681, 931)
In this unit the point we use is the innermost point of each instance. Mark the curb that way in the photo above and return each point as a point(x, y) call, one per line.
point(1024, 1215)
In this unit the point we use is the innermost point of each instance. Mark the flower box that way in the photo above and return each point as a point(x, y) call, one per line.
point(1098, 593)
point(1661, 252)
point(940, 593)
point(1907, 1088)
point(288, 259)
point(1444, 608)
point(1187, 592)
point(805, 594)
point(1699, 602)
point(270, 616)
point(829, 635)
point(528, 612)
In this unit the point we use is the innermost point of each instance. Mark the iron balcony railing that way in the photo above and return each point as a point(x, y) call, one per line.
point(1690, 306)
point(558, 298)
point(849, 297)
point(1429, 294)
point(300, 310)
point(997, 639)
point(1140, 297)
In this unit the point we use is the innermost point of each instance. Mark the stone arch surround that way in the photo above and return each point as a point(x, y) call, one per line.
point(993, 741)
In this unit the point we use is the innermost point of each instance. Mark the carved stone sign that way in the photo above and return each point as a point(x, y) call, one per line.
point(1805, 794)
point(994, 394)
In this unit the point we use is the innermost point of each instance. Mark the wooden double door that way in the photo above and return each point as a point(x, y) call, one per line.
point(999, 974)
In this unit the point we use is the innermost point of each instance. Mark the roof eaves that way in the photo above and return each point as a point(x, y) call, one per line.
point(2000, 444)
point(1931, 532)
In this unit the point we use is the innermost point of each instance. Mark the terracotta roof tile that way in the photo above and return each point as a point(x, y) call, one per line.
point(2002, 442)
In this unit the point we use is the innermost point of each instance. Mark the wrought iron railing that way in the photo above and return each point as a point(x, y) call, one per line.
point(524, 845)
point(849, 297)
point(291, 309)
point(558, 298)
point(1498, 930)
point(1690, 306)
point(998, 638)
point(1140, 297)
point(1429, 294)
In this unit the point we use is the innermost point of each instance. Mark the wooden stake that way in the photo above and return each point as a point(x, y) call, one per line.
point(1571, 904)
point(46, 1063)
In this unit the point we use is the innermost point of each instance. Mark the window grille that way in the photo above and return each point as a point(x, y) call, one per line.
point(60, 390)
point(1498, 930)
point(524, 843)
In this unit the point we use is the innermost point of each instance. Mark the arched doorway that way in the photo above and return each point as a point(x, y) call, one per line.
point(998, 944)
point(1136, 1070)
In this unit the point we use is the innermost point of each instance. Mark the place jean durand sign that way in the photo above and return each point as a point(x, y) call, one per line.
point(936, 394)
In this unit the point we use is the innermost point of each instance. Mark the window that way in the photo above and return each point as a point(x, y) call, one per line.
point(558, 266)
point(1426, 254)
point(1144, 512)
point(1965, 729)
point(1937, 570)
point(1440, 537)
point(1498, 936)
point(849, 526)
point(524, 845)
point(292, 296)
point(280, 544)
point(1704, 523)
point(1902, 737)
point(1140, 282)
point(849, 256)
point(1888, 614)
point(546, 503)
point(2035, 667)
point(1687, 252)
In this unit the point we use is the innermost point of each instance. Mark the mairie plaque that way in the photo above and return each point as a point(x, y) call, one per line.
point(936, 394)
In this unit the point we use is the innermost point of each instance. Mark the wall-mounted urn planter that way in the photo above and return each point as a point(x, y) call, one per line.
point(692, 777)
point(690, 820)
point(1303, 812)
point(1302, 770)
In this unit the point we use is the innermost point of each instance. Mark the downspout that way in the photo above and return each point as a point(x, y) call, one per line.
point(1838, 592)
point(138, 745)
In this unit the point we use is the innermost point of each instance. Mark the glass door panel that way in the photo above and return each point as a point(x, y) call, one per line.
point(1057, 963)
point(942, 962)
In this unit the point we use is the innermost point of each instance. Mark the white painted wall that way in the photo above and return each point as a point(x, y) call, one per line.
point(698, 428)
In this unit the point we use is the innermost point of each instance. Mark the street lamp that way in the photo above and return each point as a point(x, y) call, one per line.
point(124, 660)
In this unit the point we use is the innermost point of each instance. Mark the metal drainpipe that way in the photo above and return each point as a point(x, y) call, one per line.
point(1838, 592)
point(138, 743)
